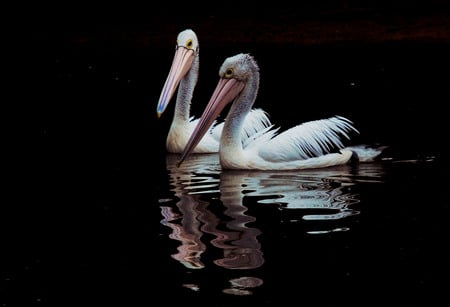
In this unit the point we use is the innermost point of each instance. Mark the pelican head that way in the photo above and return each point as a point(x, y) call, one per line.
point(186, 50)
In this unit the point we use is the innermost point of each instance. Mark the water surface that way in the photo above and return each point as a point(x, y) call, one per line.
point(276, 231)
point(97, 214)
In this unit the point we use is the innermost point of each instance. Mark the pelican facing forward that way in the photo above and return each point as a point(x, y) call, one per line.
point(308, 145)
point(183, 75)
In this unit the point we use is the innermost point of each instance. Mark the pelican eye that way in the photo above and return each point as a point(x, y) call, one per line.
point(189, 43)
point(229, 73)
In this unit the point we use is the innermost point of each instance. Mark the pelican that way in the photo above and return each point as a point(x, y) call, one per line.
point(309, 145)
point(183, 75)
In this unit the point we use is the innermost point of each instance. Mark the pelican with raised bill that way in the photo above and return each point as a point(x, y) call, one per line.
point(313, 144)
point(183, 75)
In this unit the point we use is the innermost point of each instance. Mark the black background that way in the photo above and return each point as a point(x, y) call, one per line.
point(84, 134)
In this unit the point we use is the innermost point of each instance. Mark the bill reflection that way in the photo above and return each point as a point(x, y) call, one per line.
point(209, 217)
point(192, 218)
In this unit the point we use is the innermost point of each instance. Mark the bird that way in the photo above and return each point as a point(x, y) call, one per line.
point(183, 74)
point(312, 144)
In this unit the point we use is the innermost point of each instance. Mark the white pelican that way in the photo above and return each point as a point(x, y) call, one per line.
point(184, 75)
point(308, 145)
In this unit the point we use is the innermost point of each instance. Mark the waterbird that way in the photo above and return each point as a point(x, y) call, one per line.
point(183, 74)
point(312, 144)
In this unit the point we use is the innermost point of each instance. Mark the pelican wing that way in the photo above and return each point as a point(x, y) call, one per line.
point(214, 131)
point(310, 139)
point(260, 138)
point(256, 121)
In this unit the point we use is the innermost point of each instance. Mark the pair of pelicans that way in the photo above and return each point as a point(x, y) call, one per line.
point(246, 139)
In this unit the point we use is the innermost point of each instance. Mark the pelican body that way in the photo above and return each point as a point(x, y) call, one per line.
point(183, 75)
point(313, 144)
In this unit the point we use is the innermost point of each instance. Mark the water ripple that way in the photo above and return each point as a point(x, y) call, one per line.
point(208, 210)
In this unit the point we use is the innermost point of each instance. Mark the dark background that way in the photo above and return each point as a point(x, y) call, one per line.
point(383, 64)
point(86, 80)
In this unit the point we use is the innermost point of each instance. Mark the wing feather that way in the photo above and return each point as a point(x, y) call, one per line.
point(310, 139)
point(215, 130)
point(256, 121)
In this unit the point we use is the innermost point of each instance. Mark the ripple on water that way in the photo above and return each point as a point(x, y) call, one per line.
point(208, 214)
point(317, 197)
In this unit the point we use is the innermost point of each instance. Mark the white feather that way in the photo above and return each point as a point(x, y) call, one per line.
point(309, 139)
point(183, 124)
point(367, 153)
point(256, 122)
point(313, 144)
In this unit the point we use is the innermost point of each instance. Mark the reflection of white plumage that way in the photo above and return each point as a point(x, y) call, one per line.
point(309, 145)
point(184, 75)
point(193, 217)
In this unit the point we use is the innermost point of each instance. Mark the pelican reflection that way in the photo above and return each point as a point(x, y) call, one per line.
point(190, 213)
point(239, 244)
point(192, 217)
point(322, 198)
point(315, 195)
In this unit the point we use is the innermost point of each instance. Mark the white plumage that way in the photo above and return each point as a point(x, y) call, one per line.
point(183, 75)
point(312, 144)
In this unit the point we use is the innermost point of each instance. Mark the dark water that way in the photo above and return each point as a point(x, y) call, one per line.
point(101, 215)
